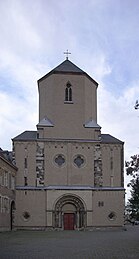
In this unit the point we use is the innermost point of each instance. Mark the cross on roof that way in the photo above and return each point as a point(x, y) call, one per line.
point(67, 53)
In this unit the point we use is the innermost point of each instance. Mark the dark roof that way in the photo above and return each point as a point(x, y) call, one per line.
point(26, 135)
point(67, 67)
point(107, 138)
point(32, 135)
point(6, 154)
point(8, 157)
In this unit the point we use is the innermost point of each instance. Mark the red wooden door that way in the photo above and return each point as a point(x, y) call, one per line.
point(69, 221)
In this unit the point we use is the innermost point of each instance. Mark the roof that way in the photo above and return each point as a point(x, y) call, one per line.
point(32, 135)
point(26, 135)
point(45, 122)
point(107, 138)
point(91, 124)
point(67, 67)
point(7, 156)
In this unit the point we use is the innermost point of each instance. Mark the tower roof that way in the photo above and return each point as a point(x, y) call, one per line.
point(67, 67)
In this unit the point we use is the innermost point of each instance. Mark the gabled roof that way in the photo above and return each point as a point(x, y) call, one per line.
point(67, 67)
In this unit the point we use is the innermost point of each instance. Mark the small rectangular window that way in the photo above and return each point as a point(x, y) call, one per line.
point(2, 181)
point(6, 179)
point(1, 178)
point(111, 163)
point(25, 162)
point(4, 204)
point(0, 203)
point(25, 181)
point(12, 182)
point(100, 203)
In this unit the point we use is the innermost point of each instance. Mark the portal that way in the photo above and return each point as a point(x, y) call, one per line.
point(69, 213)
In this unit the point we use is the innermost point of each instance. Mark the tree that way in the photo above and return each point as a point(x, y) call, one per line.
point(136, 105)
point(132, 169)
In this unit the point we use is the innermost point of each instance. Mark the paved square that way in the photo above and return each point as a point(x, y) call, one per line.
point(108, 244)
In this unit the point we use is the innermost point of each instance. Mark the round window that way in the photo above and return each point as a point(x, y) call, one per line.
point(26, 215)
point(79, 161)
point(112, 216)
point(59, 160)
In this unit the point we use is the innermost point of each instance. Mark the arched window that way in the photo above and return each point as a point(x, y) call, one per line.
point(68, 93)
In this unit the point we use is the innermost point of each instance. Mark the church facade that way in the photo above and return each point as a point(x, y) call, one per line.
point(70, 175)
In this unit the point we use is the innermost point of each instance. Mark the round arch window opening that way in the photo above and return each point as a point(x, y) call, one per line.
point(79, 161)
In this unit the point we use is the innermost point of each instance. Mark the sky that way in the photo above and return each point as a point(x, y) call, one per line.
point(103, 38)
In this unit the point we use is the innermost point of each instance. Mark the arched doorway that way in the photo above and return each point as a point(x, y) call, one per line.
point(69, 213)
point(12, 212)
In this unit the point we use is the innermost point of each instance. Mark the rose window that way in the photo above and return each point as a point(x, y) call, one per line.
point(79, 161)
point(59, 160)
point(26, 215)
point(112, 216)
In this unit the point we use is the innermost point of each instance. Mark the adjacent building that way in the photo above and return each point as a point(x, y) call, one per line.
point(70, 175)
point(7, 190)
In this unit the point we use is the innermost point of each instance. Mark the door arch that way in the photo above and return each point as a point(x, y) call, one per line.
point(69, 213)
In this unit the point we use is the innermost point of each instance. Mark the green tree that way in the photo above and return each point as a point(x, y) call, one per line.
point(132, 169)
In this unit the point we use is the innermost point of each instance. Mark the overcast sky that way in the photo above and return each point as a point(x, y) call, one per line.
point(103, 37)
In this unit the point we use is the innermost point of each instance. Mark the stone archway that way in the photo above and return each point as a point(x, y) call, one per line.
point(69, 213)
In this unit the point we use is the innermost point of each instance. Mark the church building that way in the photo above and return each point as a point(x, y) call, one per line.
point(70, 175)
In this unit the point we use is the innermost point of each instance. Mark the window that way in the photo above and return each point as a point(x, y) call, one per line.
point(79, 161)
point(25, 162)
point(68, 93)
point(111, 163)
point(112, 216)
point(12, 182)
point(26, 215)
point(6, 179)
point(59, 160)
point(25, 181)
point(4, 204)
point(100, 203)
point(0, 178)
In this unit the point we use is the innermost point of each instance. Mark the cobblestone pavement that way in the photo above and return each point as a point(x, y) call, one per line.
point(108, 244)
